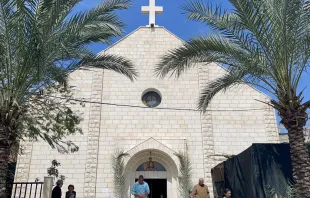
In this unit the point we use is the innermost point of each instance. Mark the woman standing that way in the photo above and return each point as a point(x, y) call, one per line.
point(70, 193)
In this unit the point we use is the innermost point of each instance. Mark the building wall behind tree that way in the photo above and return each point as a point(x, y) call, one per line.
point(221, 131)
point(284, 136)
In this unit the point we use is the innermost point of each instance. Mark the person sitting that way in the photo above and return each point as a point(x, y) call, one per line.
point(70, 193)
point(56, 193)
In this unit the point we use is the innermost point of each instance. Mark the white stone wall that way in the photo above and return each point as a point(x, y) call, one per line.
point(110, 127)
point(234, 131)
point(227, 131)
point(283, 138)
point(72, 165)
point(132, 126)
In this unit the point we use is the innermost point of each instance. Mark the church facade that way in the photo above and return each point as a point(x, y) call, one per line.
point(151, 119)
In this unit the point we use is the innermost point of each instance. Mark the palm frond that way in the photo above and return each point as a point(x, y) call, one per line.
point(185, 174)
point(114, 63)
point(283, 188)
point(215, 16)
point(53, 12)
point(220, 84)
point(118, 167)
point(101, 19)
point(267, 39)
point(40, 43)
point(199, 50)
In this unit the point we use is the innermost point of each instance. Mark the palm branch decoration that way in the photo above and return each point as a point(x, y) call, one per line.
point(118, 167)
point(284, 189)
point(185, 174)
point(40, 43)
point(264, 43)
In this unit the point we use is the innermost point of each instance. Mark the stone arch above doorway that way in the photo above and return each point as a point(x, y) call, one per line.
point(160, 153)
point(158, 156)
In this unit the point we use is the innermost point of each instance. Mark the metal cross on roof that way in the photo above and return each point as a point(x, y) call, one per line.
point(152, 10)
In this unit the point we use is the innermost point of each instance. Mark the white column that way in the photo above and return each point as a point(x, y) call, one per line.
point(48, 187)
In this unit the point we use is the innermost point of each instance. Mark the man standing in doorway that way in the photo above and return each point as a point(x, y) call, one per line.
point(140, 189)
point(201, 190)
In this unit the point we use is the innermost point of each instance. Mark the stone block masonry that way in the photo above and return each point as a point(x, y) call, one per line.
point(128, 126)
point(24, 162)
point(206, 130)
point(93, 135)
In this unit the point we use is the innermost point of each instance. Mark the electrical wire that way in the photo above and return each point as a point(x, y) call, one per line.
point(155, 108)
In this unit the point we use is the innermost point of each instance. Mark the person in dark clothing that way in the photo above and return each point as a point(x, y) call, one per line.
point(56, 193)
point(227, 193)
point(70, 193)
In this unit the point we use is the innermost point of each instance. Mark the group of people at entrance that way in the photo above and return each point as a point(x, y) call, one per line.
point(141, 190)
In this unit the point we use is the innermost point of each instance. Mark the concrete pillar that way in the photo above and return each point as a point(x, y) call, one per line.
point(48, 187)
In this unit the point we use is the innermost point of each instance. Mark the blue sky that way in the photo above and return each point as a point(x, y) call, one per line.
point(172, 19)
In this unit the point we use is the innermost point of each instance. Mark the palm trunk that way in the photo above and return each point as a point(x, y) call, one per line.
point(294, 120)
point(4, 158)
point(300, 160)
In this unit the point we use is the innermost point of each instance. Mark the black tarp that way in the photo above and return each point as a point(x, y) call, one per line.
point(10, 178)
point(254, 172)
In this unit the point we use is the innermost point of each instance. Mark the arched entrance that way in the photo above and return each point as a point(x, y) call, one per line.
point(159, 170)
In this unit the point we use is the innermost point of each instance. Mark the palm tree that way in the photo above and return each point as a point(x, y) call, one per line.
point(41, 41)
point(265, 43)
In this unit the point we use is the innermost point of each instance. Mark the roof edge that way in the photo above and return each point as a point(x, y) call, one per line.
point(123, 38)
point(129, 34)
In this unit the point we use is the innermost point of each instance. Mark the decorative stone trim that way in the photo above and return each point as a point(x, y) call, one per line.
point(207, 130)
point(24, 162)
point(270, 124)
point(161, 154)
point(151, 143)
point(93, 135)
point(157, 156)
point(154, 146)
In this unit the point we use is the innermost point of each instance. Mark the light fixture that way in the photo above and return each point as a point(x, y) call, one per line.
point(150, 164)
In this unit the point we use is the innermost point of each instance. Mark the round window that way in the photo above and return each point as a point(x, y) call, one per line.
point(151, 99)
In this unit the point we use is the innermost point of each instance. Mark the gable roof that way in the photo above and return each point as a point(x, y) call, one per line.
point(161, 27)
